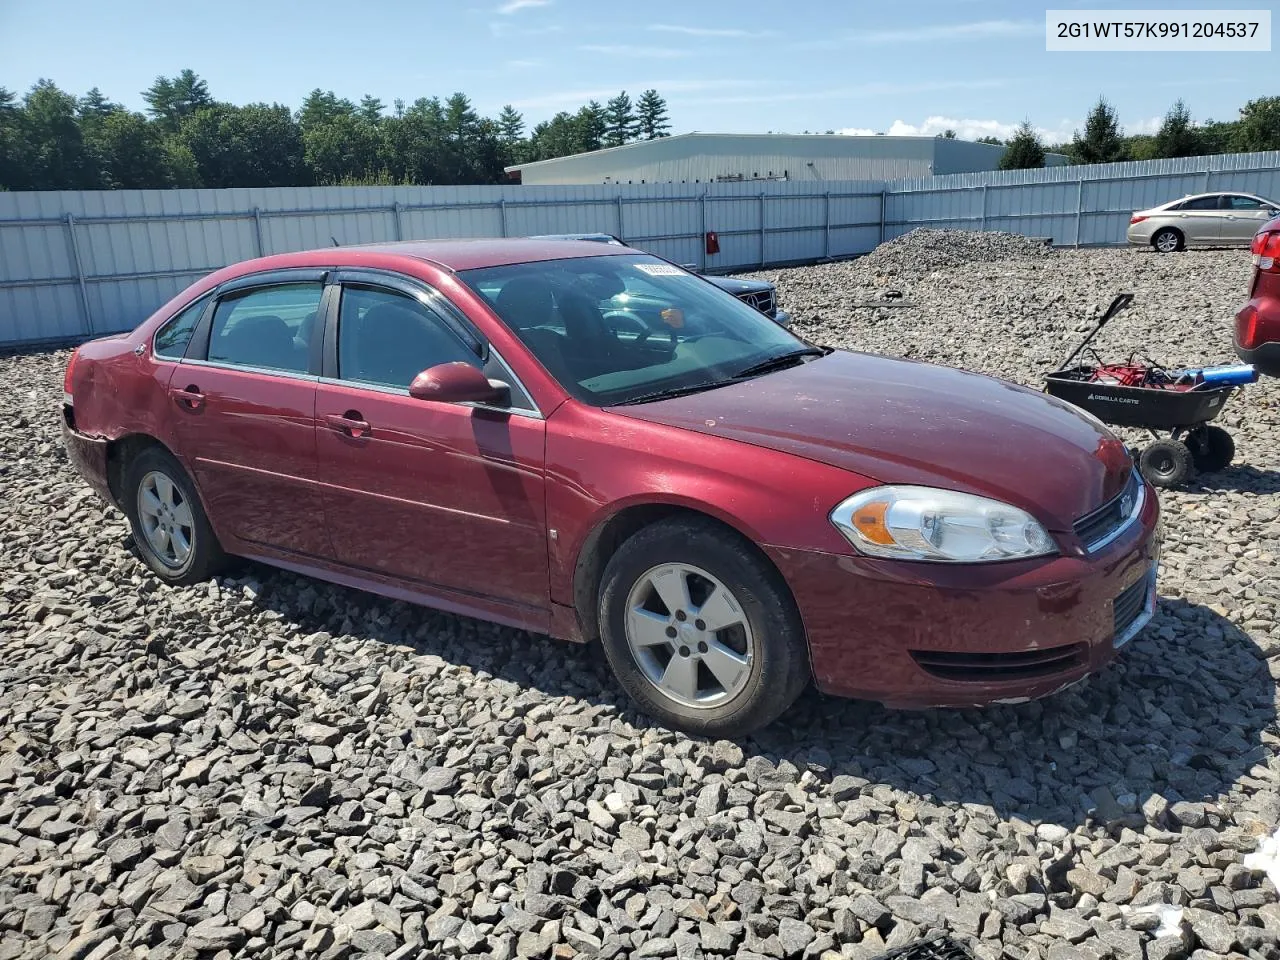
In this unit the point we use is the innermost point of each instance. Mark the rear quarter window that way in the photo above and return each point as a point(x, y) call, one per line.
point(171, 339)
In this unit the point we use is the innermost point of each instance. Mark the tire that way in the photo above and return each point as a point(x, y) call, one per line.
point(158, 493)
point(1168, 240)
point(707, 570)
point(1167, 463)
point(1214, 451)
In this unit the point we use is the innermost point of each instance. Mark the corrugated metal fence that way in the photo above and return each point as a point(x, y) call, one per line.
point(77, 264)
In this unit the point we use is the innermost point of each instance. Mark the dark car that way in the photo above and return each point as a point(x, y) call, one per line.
point(731, 511)
point(1257, 334)
point(760, 294)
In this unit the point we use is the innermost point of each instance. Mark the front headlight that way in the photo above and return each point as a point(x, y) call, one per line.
point(922, 523)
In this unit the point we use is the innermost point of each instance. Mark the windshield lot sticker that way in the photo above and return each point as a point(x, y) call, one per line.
point(660, 269)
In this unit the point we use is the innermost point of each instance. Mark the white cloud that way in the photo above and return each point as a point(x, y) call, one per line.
point(933, 33)
point(515, 6)
point(523, 64)
point(643, 53)
point(729, 33)
point(576, 98)
point(970, 129)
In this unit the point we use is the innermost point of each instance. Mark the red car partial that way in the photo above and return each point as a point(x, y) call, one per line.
point(1257, 335)
point(592, 443)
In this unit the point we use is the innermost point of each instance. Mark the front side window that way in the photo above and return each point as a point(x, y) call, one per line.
point(270, 327)
point(618, 329)
point(172, 339)
point(387, 338)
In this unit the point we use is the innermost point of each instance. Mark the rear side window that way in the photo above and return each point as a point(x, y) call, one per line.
point(172, 339)
point(1242, 203)
point(387, 338)
point(269, 328)
point(1200, 203)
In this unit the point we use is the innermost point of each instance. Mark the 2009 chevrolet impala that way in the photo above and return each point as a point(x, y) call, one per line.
point(591, 442)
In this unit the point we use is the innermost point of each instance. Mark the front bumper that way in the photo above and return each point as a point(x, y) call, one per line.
point(935, 635)
point(89, 456)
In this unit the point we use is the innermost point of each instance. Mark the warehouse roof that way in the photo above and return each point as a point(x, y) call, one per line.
point(748, 141)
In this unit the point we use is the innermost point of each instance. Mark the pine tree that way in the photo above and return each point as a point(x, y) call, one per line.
point(620, 120)
point(1177, 137)
point(510, 125)
point(1103, 141)
point(592, 127)
point(170, 100)
point(651, 116)
point(1025, 149)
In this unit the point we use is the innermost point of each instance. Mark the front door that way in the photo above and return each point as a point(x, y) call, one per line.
point(448, 497)
point(1243, 217)
point(1200, 219)
point(245, 414)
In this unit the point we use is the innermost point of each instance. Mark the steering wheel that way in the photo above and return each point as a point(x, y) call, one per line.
point(643, 330)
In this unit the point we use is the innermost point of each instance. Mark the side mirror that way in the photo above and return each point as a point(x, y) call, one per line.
point(457, 382)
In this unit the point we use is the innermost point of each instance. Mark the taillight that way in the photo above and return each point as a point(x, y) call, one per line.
point(66, 378)
point(1266, 251)
point(1247, 334)
point(1136, 218)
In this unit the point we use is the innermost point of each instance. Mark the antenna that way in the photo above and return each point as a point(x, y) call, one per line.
point(334, 241)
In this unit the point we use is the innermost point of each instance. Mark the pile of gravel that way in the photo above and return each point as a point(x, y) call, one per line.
point(924, 250)
point(269, 766)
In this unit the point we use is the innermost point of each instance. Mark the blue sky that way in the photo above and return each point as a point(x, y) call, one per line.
point(741, 66)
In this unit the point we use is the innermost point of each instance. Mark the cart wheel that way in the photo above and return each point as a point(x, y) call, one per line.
point(1214, 452)
point(1167, 463)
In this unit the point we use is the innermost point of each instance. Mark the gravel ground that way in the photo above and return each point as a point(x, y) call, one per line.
point(270, 766)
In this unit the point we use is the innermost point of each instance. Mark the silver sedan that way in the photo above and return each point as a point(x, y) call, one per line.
point(1205, 219)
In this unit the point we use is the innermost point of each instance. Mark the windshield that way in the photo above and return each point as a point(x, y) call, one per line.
point(617, 329)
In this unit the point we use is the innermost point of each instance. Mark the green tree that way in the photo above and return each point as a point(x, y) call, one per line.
point(510, 124)
point(1025, 149)
point(1177, 136)
point(994, 141)
point(130, 151)
point(1259, 125)
point(1218, 137)
point(651, 116)
point(15, 152)
point(347, 148)
point(251, 146)
point(57, 157)
point(620, 119)
point(170, 100)
point(592, 128)
point(371, 108)
point(1102, 141)
point(948, 134)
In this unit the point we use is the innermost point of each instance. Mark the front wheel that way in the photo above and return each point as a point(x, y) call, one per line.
point(169, 525)
point(700, 631)
point(1167, 463)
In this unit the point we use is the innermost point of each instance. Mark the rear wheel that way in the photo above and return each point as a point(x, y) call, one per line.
point(169, 525)
point(700, 631)
point(1167, 463)
point(1212, 449)
point(1167, 240)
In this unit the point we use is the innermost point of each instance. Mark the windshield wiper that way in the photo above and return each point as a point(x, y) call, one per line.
point(677, 391)
point(779, 362)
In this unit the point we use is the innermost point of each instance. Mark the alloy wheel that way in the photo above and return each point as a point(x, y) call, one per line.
point(689, 635)
point(166, 519)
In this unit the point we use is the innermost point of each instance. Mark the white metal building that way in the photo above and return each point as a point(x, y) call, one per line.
point(716, 157)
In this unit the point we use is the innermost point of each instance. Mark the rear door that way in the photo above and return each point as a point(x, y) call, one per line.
point(1243, 216)
point(1200, 219)
point(446, 497)
point(244, 407)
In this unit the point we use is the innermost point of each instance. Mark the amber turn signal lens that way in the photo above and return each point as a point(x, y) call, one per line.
point(869, 521)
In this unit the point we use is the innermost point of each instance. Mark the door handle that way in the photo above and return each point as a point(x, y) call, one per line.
point(350, 423)
point(189, 396)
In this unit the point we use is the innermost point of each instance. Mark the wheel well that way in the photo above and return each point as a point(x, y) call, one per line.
point(1182, 237)
point(603, 542)
point(122, 452)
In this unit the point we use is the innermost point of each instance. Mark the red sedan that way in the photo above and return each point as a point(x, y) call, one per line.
point(595, 444)
point(1257, 335)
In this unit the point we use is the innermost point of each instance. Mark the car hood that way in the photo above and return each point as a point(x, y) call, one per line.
point(737, 286)
point(900, 421)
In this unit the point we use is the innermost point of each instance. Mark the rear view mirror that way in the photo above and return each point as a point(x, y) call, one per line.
point(457, 382)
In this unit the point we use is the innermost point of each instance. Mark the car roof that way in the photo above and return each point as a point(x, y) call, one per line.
point(452, 255)
point(1217, 193)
